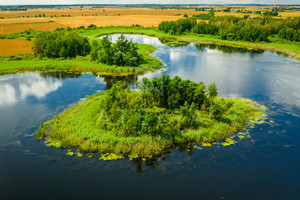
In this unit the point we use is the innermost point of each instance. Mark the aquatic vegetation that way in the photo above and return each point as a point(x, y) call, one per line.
point(228, 142)
point(163, 113)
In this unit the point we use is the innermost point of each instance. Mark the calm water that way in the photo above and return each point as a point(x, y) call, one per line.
point(265, 166)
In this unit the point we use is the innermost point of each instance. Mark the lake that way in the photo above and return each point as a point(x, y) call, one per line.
point(264, 166)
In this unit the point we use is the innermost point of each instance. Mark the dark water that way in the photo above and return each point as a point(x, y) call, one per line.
point(265, 166)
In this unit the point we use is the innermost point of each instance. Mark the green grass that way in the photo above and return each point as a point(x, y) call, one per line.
point(275, 44)
point(78, 127)
point(22, 63)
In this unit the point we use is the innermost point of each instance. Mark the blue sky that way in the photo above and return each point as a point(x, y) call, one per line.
point(29, 2)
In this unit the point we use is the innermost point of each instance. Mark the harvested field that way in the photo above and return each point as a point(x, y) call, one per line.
point(18, 21)
point(16, 28)
point(14, 46)
point(125, 20)
point(99, 11)
point(290, 14)
point(233, 14)
point(20, 25)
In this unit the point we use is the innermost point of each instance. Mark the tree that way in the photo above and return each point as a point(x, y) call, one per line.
point(212, 90)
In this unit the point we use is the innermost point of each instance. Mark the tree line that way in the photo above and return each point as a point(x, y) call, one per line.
point(235, 28)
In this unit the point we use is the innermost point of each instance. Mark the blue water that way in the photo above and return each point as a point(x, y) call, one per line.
point(265, 166)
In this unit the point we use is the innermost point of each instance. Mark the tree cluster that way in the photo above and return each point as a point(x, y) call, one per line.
point(61, 44)
point(271, 13)
point(162, 105)
point(122, 53)
point(205, 16)
point(290, 34)
point(177, 27)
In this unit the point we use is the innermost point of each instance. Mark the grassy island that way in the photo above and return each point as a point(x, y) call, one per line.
point(146, 122)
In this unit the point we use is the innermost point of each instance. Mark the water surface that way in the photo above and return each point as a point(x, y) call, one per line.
point(265, 166)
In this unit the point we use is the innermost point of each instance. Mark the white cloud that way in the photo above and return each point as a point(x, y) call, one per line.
point(8, 94)
point(21, 88)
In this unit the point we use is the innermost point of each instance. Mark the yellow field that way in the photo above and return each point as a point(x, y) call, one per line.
point(290, 14)
point(17, 21)
point(14, 46)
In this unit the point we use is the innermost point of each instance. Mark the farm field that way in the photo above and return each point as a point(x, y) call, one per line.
point(50, 19)
point(15, 46)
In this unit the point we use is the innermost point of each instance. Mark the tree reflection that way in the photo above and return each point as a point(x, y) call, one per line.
point(111, 80)
point(154, 162)
point(227, 49)
point(173, 42)
point(60, 75)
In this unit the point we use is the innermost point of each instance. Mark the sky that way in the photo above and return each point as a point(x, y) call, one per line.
point(48, 2)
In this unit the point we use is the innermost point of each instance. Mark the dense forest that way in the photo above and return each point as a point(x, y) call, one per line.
point(235, 28)
point(68, 44)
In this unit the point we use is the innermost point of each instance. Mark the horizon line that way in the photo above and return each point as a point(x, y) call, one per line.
point(115, 4)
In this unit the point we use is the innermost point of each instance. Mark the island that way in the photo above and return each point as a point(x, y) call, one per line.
point(145, 122)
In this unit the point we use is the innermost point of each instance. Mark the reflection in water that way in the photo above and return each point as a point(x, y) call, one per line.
point(13, 89)
point(226, 49)
point(60, 75)
point(140, 39)
point(173, 42)
point(111, 80)
point(268, 160)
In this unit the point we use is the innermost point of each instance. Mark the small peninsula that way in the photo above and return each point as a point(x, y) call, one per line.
point(146, 122)
point(63, 50)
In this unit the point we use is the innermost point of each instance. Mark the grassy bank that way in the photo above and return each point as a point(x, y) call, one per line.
point(21, 63)
point(280, 45)
point(83, 126)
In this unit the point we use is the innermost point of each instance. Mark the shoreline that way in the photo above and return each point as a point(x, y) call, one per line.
point(193, 38)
